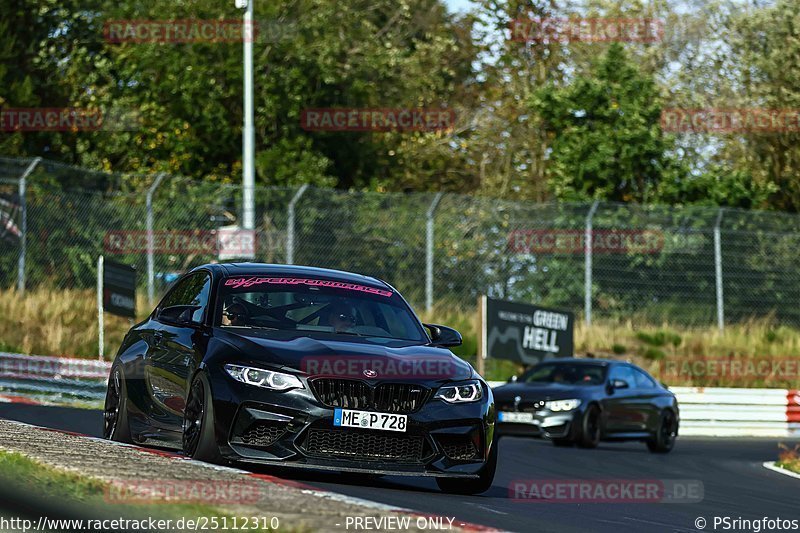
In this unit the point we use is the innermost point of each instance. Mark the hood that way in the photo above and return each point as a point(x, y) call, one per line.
point(543, 391)
point(348, 357)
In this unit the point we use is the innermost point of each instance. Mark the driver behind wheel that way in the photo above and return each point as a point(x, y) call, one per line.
point(235, 314)
point(341, 316)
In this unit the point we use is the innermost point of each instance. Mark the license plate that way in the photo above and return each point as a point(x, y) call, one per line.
point(517, 418)
point(369, 420)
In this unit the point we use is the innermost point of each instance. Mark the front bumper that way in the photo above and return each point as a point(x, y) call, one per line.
point(294, 429)
point(541, 423)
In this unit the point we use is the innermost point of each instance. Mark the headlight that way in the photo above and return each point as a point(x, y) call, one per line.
point(263, 378)
point(461, 393)
point(562, 405)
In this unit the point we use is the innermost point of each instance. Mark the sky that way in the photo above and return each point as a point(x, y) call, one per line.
point(458, 5)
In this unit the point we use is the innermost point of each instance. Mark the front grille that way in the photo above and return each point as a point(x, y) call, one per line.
point(458, 447)
point(346, 393)
point(356, 394)
point(399, 397)
point(263, 433)
point(364, 446)
point(522, 407)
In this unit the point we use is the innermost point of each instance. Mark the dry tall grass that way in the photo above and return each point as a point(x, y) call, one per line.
point(677, 356)
point(58, 322)
point(64, 322)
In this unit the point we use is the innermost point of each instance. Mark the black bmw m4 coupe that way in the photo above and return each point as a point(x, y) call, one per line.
point(302, 367)
point(584, 401)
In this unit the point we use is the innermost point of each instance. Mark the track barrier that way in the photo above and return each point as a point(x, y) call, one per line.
point(704, 411)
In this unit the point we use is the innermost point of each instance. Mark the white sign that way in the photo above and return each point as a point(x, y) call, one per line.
point(235, 243)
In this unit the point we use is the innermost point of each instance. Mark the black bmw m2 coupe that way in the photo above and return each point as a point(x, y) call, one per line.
point(302, 367)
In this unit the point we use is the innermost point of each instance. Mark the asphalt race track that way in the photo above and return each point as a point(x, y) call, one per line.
point(736, 484)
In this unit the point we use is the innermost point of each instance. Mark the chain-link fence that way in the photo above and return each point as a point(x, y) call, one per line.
point(648, 263)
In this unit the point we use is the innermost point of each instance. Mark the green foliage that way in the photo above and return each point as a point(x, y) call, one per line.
point(763, 46)
point(543, 120)
point(188, 96)
point(772, 335)
point(659, 338)
point(605, 138)
point(717, 186)
point(653, 354)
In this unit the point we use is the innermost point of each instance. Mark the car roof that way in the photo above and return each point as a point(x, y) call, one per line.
point(266, 269)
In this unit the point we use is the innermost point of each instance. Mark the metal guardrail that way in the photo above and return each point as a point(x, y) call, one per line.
point(53, 379)
point(728, 412)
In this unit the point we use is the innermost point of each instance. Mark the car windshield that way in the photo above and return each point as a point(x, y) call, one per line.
point(315, 305)
point(566, 373)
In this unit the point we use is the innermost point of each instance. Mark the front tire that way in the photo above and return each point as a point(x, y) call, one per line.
point(115, 411)
point(664, 439)
point(589, 436)
point(472, 486)
point(199, 441)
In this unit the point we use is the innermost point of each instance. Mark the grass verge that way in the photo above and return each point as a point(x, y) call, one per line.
point(92, 497)
point(789, 458)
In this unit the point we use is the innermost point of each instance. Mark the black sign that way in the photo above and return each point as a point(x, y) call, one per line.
point(119, 289)
point(526, 333)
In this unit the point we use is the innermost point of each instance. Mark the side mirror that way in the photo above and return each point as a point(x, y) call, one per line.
point(178, 314)
point(512, 379)
point(443, 336)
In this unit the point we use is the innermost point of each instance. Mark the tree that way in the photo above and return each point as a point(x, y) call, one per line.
point(606, 140)
point(763, 58)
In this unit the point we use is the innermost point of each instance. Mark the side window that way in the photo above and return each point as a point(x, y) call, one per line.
point(643, 381)
point(624, 373)
point(194, 291)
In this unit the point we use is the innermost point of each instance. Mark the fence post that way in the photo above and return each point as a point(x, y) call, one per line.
point(150, 239)
point(23, 238)
point(290, 223)
point(718, 270)
point(100, 322)
point(429, 251)
point(587, 287)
